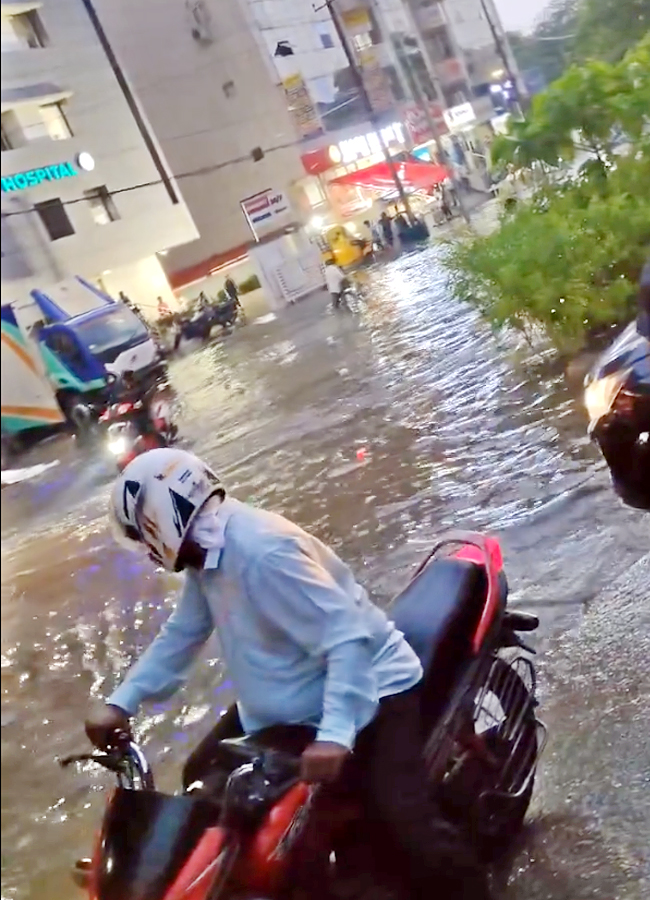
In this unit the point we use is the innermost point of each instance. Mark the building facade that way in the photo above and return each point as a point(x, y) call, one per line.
point(220, 117)
point(85, 187)
point(259, 112)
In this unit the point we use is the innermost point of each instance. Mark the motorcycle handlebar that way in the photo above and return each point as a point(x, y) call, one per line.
point(126, 760)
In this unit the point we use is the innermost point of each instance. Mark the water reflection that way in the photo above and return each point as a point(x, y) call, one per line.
point(457, 428)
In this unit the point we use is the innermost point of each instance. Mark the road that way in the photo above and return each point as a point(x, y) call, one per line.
point(376, 430)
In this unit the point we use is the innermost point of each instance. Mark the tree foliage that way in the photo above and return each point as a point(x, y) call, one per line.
point(607, 29)
point(598, 100)
point(574, 31)
point(568, 260)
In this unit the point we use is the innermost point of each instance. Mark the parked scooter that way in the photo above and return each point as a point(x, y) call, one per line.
point(232, 837)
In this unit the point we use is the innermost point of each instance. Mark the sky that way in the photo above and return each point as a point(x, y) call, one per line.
point(519, 15)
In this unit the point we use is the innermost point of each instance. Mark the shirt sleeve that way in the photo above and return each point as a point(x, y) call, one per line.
point(296, 594)
point(164, 666)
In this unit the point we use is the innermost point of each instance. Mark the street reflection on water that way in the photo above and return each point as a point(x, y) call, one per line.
point(376, 430)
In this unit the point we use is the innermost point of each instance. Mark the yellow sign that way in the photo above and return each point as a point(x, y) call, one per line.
point(303, 112)
point(357, 19)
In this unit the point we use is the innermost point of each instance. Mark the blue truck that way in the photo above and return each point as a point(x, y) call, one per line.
point(73, 354)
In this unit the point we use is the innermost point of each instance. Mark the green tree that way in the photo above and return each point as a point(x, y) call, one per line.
point(549, 47)
point(573, 31)
point(594, 102)
point(568, 260)
point(607, 29)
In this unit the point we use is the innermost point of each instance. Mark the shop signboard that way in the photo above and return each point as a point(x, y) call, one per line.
point(459, 116)
point(301, 108)
point(357, 20)
point(365, 145)
point(266, 212)
point(55, 172)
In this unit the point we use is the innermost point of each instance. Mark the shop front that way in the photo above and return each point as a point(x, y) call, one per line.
point(350, 182)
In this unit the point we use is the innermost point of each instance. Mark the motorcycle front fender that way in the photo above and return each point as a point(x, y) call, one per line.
point(208, 866)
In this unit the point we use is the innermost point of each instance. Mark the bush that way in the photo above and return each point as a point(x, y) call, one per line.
point(569, 259)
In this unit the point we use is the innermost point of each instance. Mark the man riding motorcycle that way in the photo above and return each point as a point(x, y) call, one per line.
point(302, 643)
point(617, 398)
point(126, 389)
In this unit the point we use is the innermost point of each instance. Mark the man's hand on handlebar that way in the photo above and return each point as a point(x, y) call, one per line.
point(105, 723)
point(322, 761)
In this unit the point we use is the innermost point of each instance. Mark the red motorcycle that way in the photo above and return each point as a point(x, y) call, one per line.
point(232, 839)
point(133, 428)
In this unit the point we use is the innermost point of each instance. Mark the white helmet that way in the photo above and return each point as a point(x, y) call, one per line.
point(157, 497)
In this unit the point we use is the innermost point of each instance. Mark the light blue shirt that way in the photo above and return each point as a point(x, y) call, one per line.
point(300, 638)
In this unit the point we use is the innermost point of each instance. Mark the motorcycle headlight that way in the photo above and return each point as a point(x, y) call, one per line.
point(117, 446)
point(600, 395)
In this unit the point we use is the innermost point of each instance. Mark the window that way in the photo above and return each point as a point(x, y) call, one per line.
point(12, 133)
point(6, 140)
point(55, 122)
point(24, 30)
point(55, 218)
point(101, 204)
point(117, 327)
point(326, 39)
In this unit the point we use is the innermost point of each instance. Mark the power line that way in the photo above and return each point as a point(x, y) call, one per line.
point(205, 170)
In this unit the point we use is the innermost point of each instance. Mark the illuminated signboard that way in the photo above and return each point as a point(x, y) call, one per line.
point(365, 145)
point(56, 172)
point(460, 115)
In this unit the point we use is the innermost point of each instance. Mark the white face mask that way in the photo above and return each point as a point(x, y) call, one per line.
point(208, 528)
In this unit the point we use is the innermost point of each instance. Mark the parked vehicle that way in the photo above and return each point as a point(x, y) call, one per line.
point(199, 326)
point(231, 837)
point(73, 355)
point(29, 404)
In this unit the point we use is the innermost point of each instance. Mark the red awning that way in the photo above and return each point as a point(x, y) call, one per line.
point(415, 176)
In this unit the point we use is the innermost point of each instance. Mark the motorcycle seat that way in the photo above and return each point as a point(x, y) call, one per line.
point(438, 613)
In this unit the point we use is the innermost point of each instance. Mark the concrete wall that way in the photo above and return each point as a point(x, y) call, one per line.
point(101, 125)
point(211, 101)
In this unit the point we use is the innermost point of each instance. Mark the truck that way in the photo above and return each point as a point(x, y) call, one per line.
point(63, 350)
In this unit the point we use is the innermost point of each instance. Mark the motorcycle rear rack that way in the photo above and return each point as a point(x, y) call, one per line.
point(448, 735)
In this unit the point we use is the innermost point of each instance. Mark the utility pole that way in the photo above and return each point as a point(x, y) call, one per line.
point(372, 116)
point(501, 50)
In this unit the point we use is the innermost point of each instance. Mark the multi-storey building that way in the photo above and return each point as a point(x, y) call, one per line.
point(86, 189)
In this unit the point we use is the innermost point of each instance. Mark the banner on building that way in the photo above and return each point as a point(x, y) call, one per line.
point(417, 122)
point(301, 108)
point(266, 212)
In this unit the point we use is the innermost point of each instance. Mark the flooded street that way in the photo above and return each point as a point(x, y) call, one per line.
point(376, 430)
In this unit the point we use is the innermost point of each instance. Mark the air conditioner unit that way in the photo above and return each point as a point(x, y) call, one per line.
point(199, 20)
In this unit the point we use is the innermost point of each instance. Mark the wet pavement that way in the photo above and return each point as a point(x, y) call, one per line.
point(376, 430)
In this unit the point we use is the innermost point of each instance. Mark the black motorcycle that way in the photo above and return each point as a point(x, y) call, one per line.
point(199, 326)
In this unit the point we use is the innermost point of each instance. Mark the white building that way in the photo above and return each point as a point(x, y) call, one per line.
point(254, 101)
point(221, 119)
point(85, 188)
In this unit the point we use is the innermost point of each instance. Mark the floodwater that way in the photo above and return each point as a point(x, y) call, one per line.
point(376, 430)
